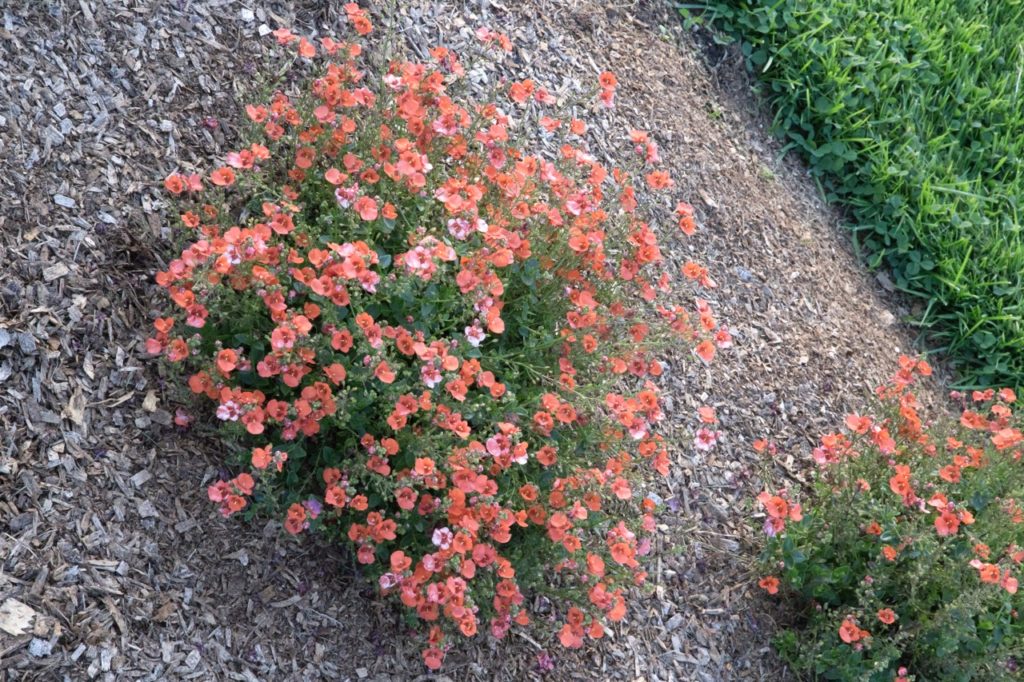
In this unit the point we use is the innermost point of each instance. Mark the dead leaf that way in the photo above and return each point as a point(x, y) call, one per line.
point(706, 198)
point(15, 617)
point(165, 611)
point(76, 407)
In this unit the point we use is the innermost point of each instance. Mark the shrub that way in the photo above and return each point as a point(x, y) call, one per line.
point(908, 555)
point(910, 114)
point(432, 344)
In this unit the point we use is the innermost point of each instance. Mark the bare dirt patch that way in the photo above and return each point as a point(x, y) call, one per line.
point(105, 533)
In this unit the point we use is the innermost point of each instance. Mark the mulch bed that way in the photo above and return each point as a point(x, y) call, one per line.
point(112, 556)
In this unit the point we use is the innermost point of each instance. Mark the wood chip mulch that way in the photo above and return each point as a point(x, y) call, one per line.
point(116, 567)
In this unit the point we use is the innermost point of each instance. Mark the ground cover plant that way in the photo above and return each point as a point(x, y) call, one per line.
point(904, 561)
point(911, 114)
point(430, 342)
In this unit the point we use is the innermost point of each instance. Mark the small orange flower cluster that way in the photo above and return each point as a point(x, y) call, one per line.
point(851, 633)
point(432, 338)
point(778, 510)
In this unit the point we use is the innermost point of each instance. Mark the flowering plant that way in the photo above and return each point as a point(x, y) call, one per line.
point(909, 555)
point(435, 345)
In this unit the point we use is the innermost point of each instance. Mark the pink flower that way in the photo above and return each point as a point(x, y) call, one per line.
point(442, 537)
point(498, 445)
point(1009, 583)
point(229, 411)
point(346, 195)
point(475, 334)
point(389, 581)
point(431, 375)
point(705, 439)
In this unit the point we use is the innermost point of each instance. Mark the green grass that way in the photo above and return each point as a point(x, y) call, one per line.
point(911, 114)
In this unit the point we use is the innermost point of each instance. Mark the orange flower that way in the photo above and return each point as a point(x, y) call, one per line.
point(900, 482)
point(223, 177)
point(306, 49)
point(705, 350)
point(623, 554)
point(950, 473)
point(366, 207)
point(547, 455)
point(335, 497)
point(520, 91)
point(565, 413)
point(384, 373)
point(335, 176)
point(433, 657)
point(1007, 438)
point(618, 610)
point(659, 180)
point(424, 466)
point(607, 80)
point(227, 360)
point(887, 616)
point(769, 584)
point(987, 573)
point(528, 492)
point(849, 632)
point(621, 489)
point(457, 388)
point(400, 561)
point(362, 25)
point(946, 524)
point(335, 373)
point(571, 637)
point(543, 422)
point(693, 271)
point(261, 457)
point(776, 507)
point(406, 498)
point(686, 222)
point(858, 424)
point(304, 157)
point(245, 483)
point(296, 519)
point(174, 183)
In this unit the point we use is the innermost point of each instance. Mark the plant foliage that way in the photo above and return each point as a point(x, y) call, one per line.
point(904, 561)
point(434, 344)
